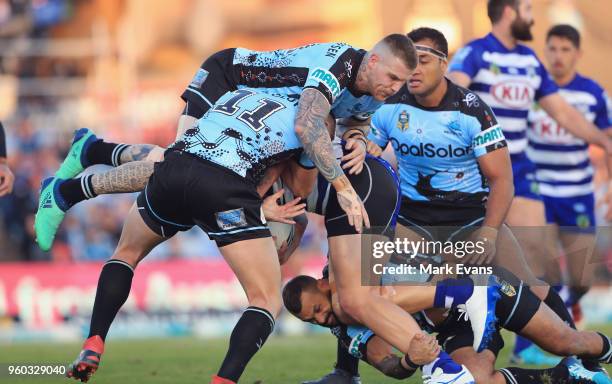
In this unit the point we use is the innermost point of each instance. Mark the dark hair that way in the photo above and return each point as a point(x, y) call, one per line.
point(495, 8)
point(403, 48)
point(292, 293)
point(437, 37)
point(567, 32)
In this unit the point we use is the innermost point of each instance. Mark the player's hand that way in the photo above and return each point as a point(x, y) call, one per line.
point(353, 161)
point(282, 213)
point(423, 349)
point(374, 149)
point(351, 204)
point(485, 239)
point(156, 155)
point(6, 179)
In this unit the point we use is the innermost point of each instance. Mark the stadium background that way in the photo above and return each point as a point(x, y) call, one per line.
point(119, 67)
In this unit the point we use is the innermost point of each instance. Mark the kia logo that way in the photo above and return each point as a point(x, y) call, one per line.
point(514, 94)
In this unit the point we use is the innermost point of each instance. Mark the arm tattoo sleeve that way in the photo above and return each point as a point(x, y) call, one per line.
point(136, 152)
point(130, 177)
point(313, 109)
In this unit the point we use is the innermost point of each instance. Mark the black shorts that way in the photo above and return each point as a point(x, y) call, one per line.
point(184, 191)
point(378, 187)
point(438, 222)
point(517, 304)
point(213, 80)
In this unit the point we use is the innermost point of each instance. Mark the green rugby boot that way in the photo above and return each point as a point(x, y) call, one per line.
point(51, 211)
point(75, 162)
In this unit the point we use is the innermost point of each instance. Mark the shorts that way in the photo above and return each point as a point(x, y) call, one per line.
point(471, 219)
point(571, 214)
point(378, 187)
point(180, 194)
point(517, 303)
point(213, 80)
point(525, 184)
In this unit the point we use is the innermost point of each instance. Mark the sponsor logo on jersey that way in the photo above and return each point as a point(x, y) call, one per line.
point(583, 221)
point(488, 137)
point(403, 121)
point(513, 93)
point(430, 150)
point(333, 50)
point(327, 79)
point(471, 100)
point(494, 68)
point(234, 218)
point(199, 78)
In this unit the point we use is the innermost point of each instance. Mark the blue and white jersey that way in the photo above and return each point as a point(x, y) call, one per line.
point(509, 81)
point(437, 148)
point(562, 160)
point(246, 131)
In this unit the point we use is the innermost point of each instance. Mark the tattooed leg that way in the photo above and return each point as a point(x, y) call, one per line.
point(135, 152)
point(129, 177)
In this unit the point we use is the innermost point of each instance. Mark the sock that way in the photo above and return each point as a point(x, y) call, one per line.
point(346, 361)
point(100, 152)
point(575, 294)
point(521, 344)
point(248, 336)
point(557, 374)
point(554, 301)
point(443, 361)
point(113, 290)
point(606, 351)
point(452, 292)
point(76, 190)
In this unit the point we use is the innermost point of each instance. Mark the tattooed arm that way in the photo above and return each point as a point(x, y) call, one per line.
point(313, 109)
point(129, 177)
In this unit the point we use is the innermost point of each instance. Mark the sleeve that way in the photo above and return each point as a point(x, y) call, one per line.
point(379, 129)
point(2, 141)
point(603, 115)
point(466, 60)
point(196, 103)
point(487, 134)
point(547, 85)
point(331, 79)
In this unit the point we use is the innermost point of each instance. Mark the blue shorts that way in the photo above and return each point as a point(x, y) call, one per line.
point(525, 184)
point(571, 214)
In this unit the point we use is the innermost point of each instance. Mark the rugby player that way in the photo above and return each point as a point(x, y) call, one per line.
point(518, 310)
point(564, 171)
point(244, 133)
point(330, 77)
point(510, 78)
point(6, 176)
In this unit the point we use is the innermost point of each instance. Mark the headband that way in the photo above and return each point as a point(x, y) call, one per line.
point(423, 48)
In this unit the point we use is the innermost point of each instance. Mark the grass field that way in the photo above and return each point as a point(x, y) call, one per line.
point(285, 360)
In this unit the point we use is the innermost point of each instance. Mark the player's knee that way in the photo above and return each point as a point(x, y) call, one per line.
point(130, 254)
point(267, 299)
point(482, 375)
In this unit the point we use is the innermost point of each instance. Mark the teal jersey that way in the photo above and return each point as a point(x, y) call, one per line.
point(245, 131)
point(437, 148)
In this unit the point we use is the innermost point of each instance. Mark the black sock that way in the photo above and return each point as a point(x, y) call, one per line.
point(576, 293)
point(100, 152)
point(346, 361)
point(557, 374)
point(113, 290)
point(248, 336)
point(554, 301)
point(606, 352)
point(76, 190)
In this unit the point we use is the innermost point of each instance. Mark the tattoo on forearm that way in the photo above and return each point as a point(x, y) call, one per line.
point(130, 177)
point(312, 112)
point(392, 367)
point(136, 152)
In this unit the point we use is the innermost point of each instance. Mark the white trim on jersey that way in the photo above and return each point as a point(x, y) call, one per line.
point(578, 97)
point(517, 60)
point(486, 76)
point(512, 124)
point(516, 146)
point(575, 175)
point(552, 157)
